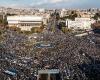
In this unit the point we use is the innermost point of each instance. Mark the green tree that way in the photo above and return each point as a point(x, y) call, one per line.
point(96, 16)
point(66, 30)
point(33, 30)
point(4, 20)
point(71, 16)
point(8, 14)
point(1, 21)
point(57, 16)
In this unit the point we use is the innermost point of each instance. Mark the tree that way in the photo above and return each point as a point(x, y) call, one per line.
point(96, 16)
point(33, 30)
point(4, 20)
point(36, 30)
point(8, 14)
point(57, 16)
point(73, 12)
point(1, 21)
point(61, 24)
point(71, 16)
point(66, 30)
point(14, 28)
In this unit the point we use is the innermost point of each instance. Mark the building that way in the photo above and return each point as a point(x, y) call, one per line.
point(80, 23)
point(25, 22)
point(53, 74)
point(42, 10)
point(62, 13)
point(46, 17)
point(85, 14)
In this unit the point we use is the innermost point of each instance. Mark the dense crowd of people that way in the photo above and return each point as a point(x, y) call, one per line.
point(76, 58)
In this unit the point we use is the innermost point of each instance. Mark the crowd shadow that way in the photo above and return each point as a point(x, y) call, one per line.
point(92, 69)
point(96, 31)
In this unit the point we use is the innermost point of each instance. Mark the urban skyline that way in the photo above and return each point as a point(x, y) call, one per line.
point(51, 3)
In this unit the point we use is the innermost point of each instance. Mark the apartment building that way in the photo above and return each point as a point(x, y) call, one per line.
point(80, 23)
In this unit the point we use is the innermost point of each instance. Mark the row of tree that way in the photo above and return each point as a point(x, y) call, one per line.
point(33, 30)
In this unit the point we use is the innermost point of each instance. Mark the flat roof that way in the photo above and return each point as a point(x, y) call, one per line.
point(24, 18)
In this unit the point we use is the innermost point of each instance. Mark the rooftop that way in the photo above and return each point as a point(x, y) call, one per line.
point(25, 18)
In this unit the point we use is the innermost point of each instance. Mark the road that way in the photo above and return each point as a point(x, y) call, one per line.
point(52, 28)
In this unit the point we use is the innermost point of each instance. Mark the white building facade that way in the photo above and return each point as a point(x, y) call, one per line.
point(25, 22)
point(80, 23)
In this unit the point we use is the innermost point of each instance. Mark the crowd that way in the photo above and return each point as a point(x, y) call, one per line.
point(76, 58)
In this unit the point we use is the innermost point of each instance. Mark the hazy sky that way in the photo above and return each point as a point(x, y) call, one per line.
point(52, 3)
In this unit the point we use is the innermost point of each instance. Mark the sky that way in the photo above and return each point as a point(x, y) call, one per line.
point(51, 3)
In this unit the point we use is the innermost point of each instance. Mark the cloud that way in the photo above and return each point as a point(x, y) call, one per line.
point(52, 3)
point(69, 4)
point(38, 2)
point(56, 1)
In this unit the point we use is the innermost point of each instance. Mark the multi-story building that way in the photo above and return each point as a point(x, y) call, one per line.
point(25, 22)
point(80, 23)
